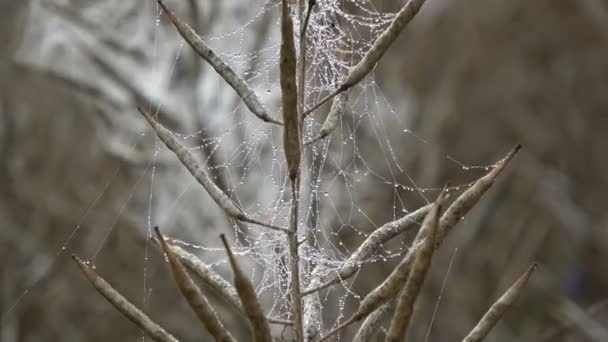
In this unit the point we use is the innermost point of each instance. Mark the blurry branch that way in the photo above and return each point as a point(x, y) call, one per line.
point(193, 294)
point(253, 309)
point(111, 40)
point(589, 327)
point(123, 305)
point(574, 322)
point(241, 87)
point(381, 45)
point(496, 311)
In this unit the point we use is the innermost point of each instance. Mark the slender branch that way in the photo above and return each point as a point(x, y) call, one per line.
point(381, 45)
point(241, 87)
point(496, 311)
point(190, 162)
point(193, 294)
point(249, 299)
point(155, 331)
point(291, 145)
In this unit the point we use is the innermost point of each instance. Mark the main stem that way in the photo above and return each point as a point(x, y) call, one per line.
point(294, 262)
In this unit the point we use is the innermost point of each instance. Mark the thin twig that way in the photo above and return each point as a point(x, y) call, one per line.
point(494, 314)
point(193, 294)
point(249, 299)
point(155, 331)
point(241, 87)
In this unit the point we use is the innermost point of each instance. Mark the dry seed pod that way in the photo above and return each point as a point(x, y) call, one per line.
point(394, 282)
point(193, 294)
point(253, 309)
point(411, 290)
point(337, 109)
point(291, 132)
point(494, 314)
point(189, 161)
point(215, 281)
point(372, 243)
point(381, 45)
point(155, 331)
point(241, 87)
point(468, 199)
point(372, 322)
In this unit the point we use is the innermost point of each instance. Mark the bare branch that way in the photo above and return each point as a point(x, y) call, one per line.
point(190, 162)
point(241, 87)
point(193, 294)
point(495, 312)
point(409, 294)
point(381, 45)
point(253, 309)
point(155, 331)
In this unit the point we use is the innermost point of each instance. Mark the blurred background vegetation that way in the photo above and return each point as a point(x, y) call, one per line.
point(472, 78)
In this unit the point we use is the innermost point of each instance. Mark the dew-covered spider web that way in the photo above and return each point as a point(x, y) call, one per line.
point(353, 181)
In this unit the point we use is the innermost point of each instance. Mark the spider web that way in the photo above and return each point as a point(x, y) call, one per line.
point(340, 172)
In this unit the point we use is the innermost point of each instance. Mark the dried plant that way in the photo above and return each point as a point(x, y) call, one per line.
point(395, 295)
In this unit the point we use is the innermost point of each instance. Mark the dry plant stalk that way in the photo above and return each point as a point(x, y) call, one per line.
point(398, 292)
point(253, 309)
point(155, 331)
point(494, 314)
point(193, 294)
